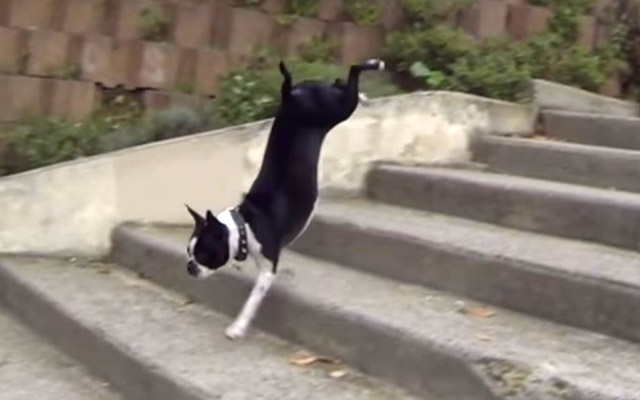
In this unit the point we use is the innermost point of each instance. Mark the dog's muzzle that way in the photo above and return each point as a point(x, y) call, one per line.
point(193, 269)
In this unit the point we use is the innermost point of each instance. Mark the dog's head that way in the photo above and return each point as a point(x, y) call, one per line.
point(208, 248)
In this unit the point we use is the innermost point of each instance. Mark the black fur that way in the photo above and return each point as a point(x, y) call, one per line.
point(281, 199)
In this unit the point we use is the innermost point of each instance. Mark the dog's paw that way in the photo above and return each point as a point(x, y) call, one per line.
point(376, 63)
point(234, 332)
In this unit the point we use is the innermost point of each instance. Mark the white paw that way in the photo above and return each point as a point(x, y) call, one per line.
point(379, 64)
point(234, 332)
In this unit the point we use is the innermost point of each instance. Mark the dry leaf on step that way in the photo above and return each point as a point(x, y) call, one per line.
point(306, 360)
point(339, 373)
point(483, 337)
point(477, 311)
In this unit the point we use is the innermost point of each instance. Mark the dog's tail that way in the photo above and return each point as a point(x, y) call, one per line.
point(286, 83)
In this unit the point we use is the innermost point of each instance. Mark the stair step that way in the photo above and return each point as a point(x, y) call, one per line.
point(560, 161)
point(150, 343)
point(599, 130)
point(583, 284)
point(425, 340)
point(554, 208)
point(32, 369)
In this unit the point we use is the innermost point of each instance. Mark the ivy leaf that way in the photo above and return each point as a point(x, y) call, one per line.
point(419, 70)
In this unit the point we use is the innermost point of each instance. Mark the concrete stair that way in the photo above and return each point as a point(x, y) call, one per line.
point(515, 278)
point(32, 369)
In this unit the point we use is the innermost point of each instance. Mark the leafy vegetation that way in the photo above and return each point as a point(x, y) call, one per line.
point(436, 55)
point(363, 12)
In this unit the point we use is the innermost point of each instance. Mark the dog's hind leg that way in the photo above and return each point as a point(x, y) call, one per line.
point(264, 281)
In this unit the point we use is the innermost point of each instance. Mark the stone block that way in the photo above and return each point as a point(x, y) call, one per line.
point(70, 99)
point(486, 18)
point(125, 62)
point(357, 43)
point(249, 29)
point(193, 24)
point(303, 30)
point(601, 34)
point(525, 20)
point(392, 14)
point(275, 7)
point(158, 65)
point(612, 87)
point(29, 14)
point(122, 17)
point(156, 100)
point(330, 10)
point(601, 7)
point(97, 61)
point(210, 66)
point(81, 16)
point(220, 33)
point(12, 50)
point(22, 97)
point(49, 53)
point(587, 31)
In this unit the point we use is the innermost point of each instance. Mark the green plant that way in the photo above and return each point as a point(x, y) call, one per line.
point(432, 11)
point(303, 8)
point(494, 69)
point(363, 12)
point(245, 3)
point(318, 49)
point(286, 19)
point(437, 47)
point(154, 24)
point(44, 141)
point(433, 79)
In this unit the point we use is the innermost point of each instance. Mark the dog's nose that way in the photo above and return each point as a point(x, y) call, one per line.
point(193, 269)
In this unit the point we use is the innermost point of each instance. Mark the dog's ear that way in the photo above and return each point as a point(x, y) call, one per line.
point(211, 219)
point(197, 218)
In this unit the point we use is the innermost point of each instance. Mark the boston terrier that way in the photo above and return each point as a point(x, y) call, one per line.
point(281, 201)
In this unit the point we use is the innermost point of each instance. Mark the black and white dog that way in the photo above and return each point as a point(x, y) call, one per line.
point(281, 201)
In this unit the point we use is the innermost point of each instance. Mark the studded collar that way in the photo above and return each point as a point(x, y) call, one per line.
point(243, 242)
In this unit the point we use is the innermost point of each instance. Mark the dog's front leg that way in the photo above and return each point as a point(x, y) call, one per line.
point(239, 327)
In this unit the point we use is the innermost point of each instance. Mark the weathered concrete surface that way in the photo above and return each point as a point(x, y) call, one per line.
point(555, 96)
point(32, 369)
point(417, 337)
point(582, 284)
point(152, 182)
point(153, 344)
point(559, 161)
point(599, 130)
point(560, 209)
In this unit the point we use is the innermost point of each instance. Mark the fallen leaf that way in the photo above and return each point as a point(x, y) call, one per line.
point(483, 337)
point(304, 360)
point(337, 374)
point(477, 311)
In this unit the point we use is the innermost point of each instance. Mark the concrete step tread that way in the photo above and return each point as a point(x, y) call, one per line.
point(32, 369)
point(182, 341)
point(589, 260)
point(489, 179)
point(499, 347)
point(553, 144)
